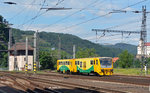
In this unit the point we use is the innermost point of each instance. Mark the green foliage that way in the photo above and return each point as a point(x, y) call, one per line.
point(125, 60)
point(148, 62)
point(137, 63)
point(46, 61)
point(49, 40)
point(129, 71)
point(131, 48)
point(85, 53)
point(4, 32)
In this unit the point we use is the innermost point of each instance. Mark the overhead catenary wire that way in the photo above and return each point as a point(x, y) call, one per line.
point(27, 14)
point(100, 16)
point(71, 14)
point(33, 18)
point(38, 13)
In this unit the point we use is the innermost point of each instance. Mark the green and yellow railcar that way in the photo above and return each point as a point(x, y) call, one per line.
point(98, 65)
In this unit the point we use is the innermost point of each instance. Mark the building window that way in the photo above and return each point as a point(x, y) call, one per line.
point(24, 59)
point(15, 59)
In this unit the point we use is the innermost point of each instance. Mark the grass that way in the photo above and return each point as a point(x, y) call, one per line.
point(130, 71)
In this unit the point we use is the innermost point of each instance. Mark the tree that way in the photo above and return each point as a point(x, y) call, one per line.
point(85, 53)
point(125, 59)
point(4, 33)
point(46, 61)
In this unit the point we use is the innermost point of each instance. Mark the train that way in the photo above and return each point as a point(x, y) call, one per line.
point(97, 65)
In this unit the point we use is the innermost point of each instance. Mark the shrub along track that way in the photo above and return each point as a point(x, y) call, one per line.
point(33, 80)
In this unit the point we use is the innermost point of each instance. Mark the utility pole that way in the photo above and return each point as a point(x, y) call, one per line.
point(9, 44)
point(10, 38)
point(74, 51)
point(37, 50)
point(143, 39)
point(15, 58)
point(59, 47)
point(26, 68)
point(35, 56)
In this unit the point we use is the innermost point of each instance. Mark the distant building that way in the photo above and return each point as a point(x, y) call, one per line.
point(115, 59)
point(147, 50)
point(17, 59)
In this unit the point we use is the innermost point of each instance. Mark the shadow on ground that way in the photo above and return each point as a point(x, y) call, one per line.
point(7, 89)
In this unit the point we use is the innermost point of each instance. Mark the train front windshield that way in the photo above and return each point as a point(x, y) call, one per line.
point(106, 62)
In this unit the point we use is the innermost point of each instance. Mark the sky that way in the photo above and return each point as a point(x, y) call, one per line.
point(83, 16)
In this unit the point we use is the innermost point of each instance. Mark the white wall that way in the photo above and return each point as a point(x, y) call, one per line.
point(21, 62)
point(139, 50)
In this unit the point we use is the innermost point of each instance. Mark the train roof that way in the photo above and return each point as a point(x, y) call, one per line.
point(86, 58)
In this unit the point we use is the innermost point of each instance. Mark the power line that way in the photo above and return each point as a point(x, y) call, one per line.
point(33, 18)
point(102, 15)
point(72, 14)
point(38, 13)
point(24, 22)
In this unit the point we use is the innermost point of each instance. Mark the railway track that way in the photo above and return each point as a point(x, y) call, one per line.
point(39, 89)
point(136, 80)
point(25, 85)
point(85, 88)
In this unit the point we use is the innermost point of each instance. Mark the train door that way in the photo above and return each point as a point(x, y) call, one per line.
point(58, 65)
point(84, 65)
point(71, 65)
point(96, 65)
point(74, 66)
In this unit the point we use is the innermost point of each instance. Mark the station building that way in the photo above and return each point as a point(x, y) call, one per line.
point(17, 58)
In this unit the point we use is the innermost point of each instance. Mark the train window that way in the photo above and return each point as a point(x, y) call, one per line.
point(78, 62)
point(92, 62)
point(81, 64)
point(96, 62)
point(66, 63)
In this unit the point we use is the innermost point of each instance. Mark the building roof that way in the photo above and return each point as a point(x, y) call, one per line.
point(147, 44)
point(115, 59)
point(21, 46)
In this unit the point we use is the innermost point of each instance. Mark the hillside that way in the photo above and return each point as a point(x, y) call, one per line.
point(50, 40)
point(123, 46)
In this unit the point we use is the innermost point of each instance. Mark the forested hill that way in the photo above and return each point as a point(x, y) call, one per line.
point(131, 48)
point(50, 40)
